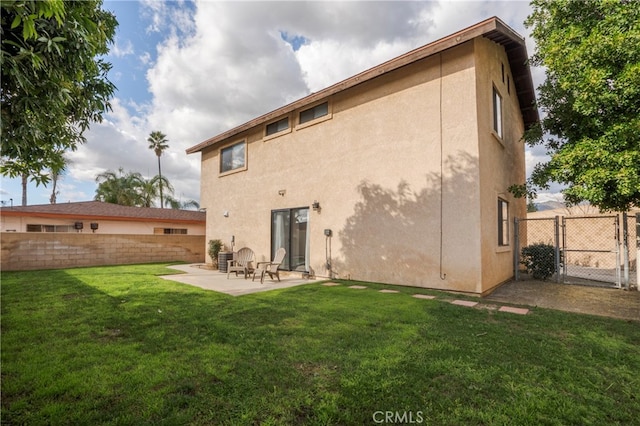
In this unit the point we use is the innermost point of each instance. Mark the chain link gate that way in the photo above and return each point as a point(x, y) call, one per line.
point(593, 250)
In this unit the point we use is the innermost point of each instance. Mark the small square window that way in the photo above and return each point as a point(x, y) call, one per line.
point(233, 157)
point(277, 126)
point(315, 112)
point(497, 113)
point(503, 222)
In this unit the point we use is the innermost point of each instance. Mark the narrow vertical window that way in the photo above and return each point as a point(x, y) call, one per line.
point(497, 112)
point(503, 222)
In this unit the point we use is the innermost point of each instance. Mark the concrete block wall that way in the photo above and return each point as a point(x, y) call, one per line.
point(29, 251)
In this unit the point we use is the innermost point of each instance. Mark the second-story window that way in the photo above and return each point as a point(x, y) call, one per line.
point(233, 157)
point(497, 113)
point(316, 112)
point(277, 126)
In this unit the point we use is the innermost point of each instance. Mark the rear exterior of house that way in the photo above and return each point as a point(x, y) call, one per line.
point(396, 175)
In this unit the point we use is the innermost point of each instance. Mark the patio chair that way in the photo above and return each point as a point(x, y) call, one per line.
point(270, 268)
point(241, 262)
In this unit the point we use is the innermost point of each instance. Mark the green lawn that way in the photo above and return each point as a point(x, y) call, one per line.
point(117, 345)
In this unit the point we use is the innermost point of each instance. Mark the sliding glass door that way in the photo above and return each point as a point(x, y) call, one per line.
point(289, 229)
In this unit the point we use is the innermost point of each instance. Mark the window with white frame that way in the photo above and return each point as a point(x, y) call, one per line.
point(277, 126)
point(503, 222)
point(170, 231)
point(315, 112)
point(233, 157)
point(497, 113)
point(49, 228)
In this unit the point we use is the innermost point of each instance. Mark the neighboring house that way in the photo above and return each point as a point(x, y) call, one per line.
point(399, 174)
point(101, 218)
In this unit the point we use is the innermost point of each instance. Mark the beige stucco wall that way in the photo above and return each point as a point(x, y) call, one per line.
point(395, 168)
point(28, 251)
point(19, 224)
point(502, 161)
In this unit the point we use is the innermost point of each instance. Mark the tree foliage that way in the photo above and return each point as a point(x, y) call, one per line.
point(54, 83)
point(132, 189)
point(129, 189)
point(120, 188)
point(591, 98)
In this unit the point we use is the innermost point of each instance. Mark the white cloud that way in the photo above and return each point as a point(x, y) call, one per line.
point(145, 58)
point(122, 48)
point(220, 64)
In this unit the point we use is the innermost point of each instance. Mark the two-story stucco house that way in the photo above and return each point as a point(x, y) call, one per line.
point(399, 174)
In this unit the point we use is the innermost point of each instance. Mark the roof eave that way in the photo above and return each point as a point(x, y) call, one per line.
point(492, 28)
point(81, 216)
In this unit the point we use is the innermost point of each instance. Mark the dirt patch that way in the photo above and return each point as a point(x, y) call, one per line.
point(609, 302)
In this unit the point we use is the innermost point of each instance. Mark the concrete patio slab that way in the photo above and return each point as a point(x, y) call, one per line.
point(196, 275)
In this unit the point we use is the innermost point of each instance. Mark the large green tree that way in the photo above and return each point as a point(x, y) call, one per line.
point(590, 100)
point(54, 83)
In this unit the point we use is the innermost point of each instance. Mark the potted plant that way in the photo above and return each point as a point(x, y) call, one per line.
point(214, 248)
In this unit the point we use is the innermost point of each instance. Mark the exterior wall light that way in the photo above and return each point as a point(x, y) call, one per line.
point(282, 192)
point(94, 226)
point(78, 226)
point(316, 206)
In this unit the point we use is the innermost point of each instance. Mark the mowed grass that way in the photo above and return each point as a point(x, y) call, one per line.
point(120, 346)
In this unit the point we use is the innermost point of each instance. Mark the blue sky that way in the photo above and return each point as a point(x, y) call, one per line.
point(193, 69)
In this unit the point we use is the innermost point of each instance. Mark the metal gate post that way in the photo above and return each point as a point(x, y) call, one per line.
point(558, 242)
point(625, 250)
point(556, 227)
point(618, 244)
point(516, 252)
point(637, 251)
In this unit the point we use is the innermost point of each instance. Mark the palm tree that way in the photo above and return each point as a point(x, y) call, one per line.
point(120, 188)
point(158, 142)
point(56, 170)
point(186, 205)
point(150, 187)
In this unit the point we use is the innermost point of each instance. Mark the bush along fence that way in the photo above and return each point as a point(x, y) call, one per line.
point(597, 250)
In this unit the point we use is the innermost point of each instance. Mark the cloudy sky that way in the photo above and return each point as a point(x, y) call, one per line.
point(193, 69)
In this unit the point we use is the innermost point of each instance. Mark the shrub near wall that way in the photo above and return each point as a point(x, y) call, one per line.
point(27, 251)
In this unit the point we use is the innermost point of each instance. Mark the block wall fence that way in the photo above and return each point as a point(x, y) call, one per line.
point(29, 251)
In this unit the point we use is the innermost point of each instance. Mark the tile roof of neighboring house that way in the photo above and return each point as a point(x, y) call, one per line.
point(493, 29)
point(106, 211)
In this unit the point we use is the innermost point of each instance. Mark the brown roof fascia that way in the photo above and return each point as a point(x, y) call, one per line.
point(493, 28)
point(9, 212)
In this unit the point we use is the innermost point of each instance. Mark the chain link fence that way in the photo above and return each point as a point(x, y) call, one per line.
point(595, 250)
